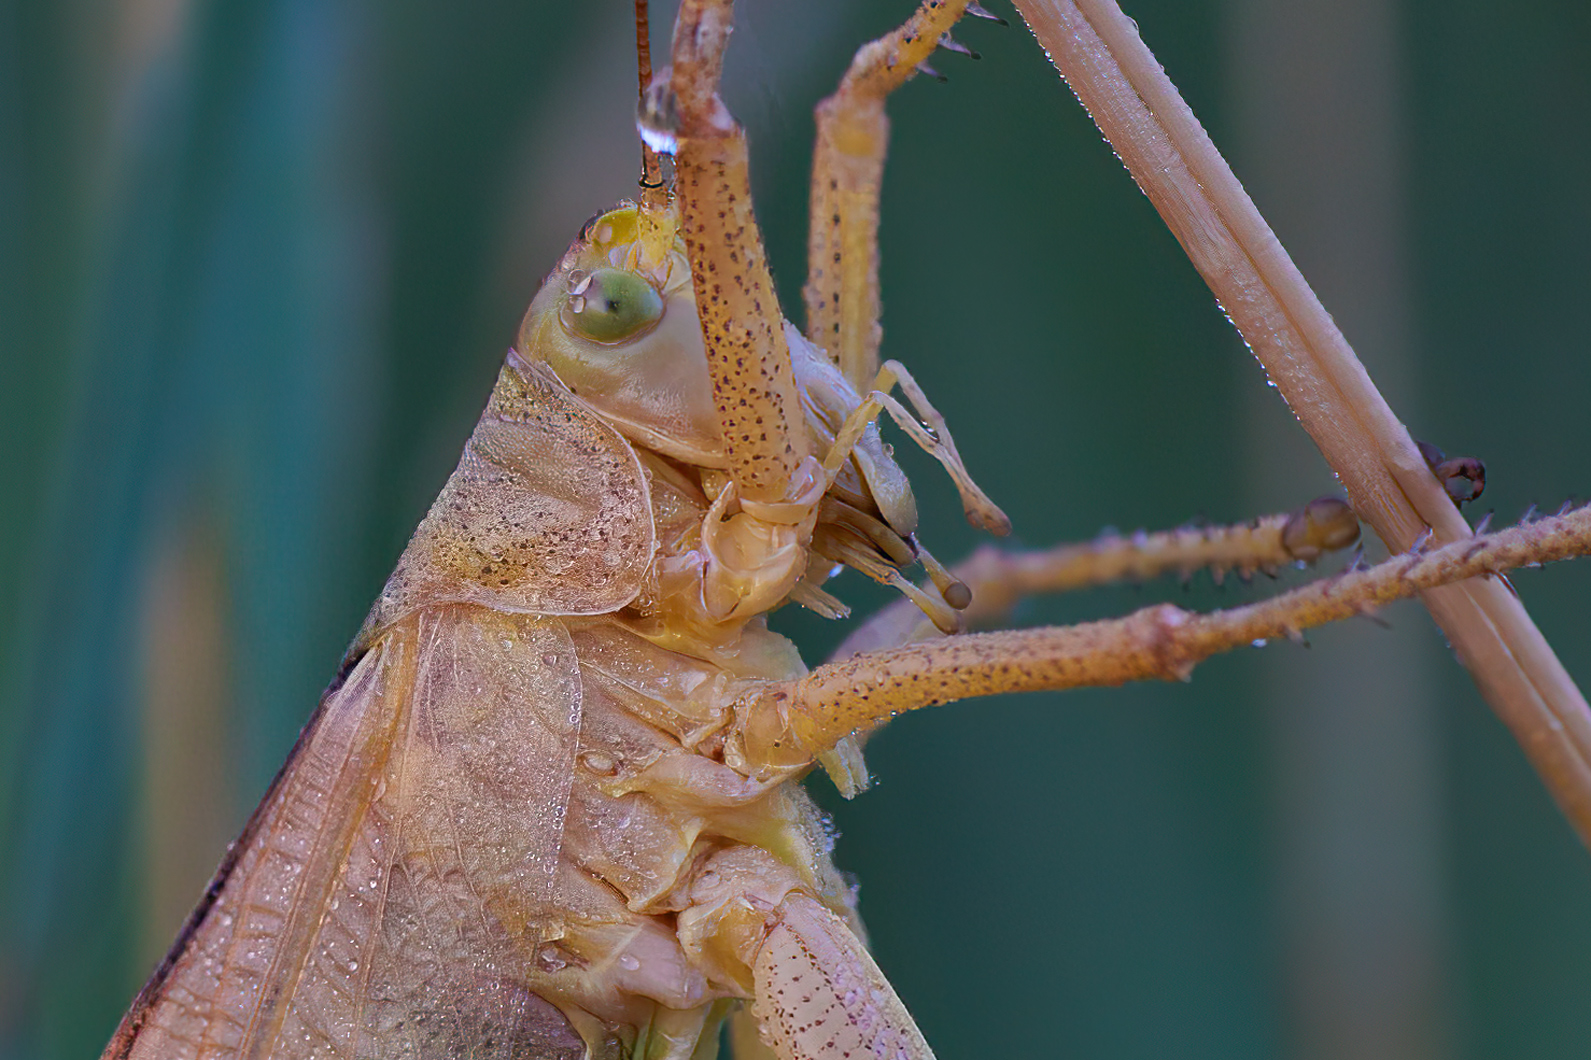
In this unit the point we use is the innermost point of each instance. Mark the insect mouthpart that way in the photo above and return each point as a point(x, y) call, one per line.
point(847, 535)
point(867, 517)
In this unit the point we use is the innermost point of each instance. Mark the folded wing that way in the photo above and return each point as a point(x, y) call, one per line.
point(389, 894)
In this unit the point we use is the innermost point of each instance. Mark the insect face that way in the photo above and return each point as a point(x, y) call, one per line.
point(617, 322)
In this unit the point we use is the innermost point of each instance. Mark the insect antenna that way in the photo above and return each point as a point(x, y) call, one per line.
point(654, 190)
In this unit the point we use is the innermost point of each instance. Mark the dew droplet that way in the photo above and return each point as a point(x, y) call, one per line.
point(657, 116)
point(663, 141)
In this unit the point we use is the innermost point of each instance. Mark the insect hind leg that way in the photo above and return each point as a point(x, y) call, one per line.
point(816, 992)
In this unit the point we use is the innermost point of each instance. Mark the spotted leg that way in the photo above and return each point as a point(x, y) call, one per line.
point(841, 292)
point(816, 992)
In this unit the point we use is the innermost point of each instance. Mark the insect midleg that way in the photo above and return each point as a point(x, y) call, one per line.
point(841, 293)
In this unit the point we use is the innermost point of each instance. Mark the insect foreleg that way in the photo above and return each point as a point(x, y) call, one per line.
point(841, 292)
point(817, 995)
point(754, 384)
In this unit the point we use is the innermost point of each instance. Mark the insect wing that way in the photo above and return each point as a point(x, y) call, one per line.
point(389, 895)
point(548, 511)
point(235, 937)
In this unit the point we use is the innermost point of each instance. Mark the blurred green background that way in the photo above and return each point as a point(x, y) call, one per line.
point(259, 260)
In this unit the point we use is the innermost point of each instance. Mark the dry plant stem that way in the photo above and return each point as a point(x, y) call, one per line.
point(798, 719)
point(1098, 51)
point(753, 381)
point(841, 293)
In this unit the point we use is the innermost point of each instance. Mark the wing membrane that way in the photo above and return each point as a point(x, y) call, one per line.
point(547, 512)
point(388, 896)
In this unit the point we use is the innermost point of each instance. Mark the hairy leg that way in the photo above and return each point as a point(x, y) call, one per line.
point(787, 723)
point(998, 579)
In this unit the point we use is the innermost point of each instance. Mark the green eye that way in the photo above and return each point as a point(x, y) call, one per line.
point(610, 305)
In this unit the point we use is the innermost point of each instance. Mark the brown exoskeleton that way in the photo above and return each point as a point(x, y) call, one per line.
point(549, 807)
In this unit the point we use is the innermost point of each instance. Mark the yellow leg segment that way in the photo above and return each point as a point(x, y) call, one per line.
point(785, 724)
point(754, 383)
point(999, 579)
point(847, 171)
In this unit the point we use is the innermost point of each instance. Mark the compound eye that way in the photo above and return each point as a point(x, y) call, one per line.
point(610, 305)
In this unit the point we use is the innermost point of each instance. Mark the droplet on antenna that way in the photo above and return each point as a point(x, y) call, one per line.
point(657, 114)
